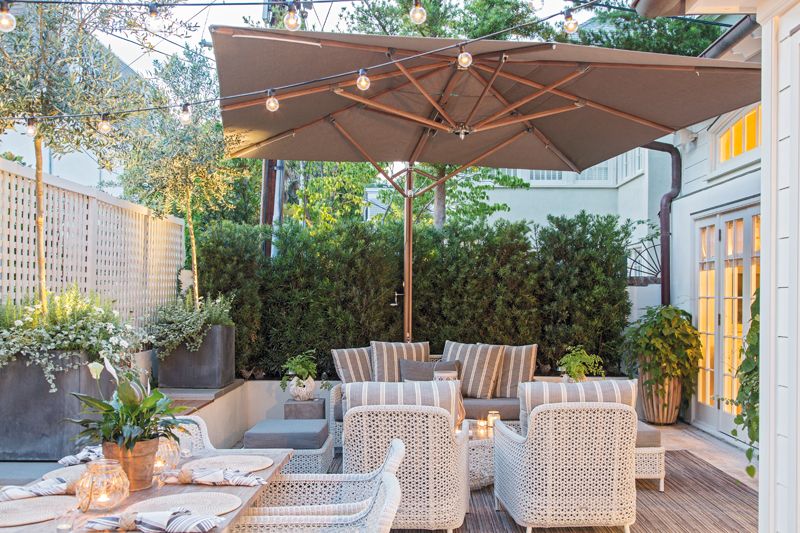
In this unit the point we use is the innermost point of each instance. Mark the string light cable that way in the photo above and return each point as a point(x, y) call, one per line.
point(274, 92)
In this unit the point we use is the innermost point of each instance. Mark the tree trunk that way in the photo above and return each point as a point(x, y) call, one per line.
point(439, 201)
point(193, 248)
point(40, 257)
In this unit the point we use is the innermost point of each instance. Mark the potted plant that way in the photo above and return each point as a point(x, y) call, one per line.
point(196, 344)
point(129, 424)
point(577, 363)
point(665, 349)
point(299, 374)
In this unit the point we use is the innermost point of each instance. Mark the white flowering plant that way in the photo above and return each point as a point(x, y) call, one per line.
point(183, 323)
point(74, 324)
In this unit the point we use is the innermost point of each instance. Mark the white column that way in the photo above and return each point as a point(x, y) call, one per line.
point(780, 322)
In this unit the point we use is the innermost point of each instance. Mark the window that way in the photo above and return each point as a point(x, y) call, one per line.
point(742, 136)
point(707, 314)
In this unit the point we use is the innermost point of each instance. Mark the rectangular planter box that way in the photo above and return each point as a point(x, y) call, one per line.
point(32, 426)
point(212, 366)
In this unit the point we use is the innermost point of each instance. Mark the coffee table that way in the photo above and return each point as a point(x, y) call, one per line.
point(481, 457)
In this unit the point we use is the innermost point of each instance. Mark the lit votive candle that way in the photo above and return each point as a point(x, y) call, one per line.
point(492, 417)
point(482, 428)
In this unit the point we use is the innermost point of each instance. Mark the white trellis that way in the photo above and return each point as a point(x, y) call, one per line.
point(115, 248)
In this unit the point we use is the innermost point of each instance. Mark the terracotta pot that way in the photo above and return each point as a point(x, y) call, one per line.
point(661, 406)
point(136, 463)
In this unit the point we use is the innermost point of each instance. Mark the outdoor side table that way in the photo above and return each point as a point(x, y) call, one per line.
point(309, 409)
point(481, 457)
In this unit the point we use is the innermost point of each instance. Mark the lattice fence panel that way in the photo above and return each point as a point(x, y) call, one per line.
point(105, 245)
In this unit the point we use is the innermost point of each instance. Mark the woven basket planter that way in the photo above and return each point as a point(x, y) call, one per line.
point(661, 405)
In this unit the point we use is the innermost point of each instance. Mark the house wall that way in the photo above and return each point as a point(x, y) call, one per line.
point(536, 203)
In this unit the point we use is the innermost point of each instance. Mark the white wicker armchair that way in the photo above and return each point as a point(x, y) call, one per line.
point(575, 467)
point(433, 476)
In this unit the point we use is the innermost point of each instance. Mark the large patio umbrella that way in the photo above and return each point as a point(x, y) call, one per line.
point(518, 105)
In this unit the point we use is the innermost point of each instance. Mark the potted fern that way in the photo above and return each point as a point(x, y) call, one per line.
point(299, 376)
point(577, 363)
point(665, 348)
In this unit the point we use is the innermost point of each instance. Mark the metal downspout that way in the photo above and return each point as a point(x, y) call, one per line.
point(664, 214)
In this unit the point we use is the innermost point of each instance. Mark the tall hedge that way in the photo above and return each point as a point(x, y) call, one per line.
point(556, 285)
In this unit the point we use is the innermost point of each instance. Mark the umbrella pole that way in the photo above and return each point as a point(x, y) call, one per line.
point(408, 236)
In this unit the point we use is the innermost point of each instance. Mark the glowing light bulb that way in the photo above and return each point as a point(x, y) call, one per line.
point(185, 116)
point(464, 59)
point(7, 20)
point(104, 125)
point(570, 24)
point(272, 102)
point(291, 20)
point(31, 127)
point(418, 14)
point(362, 82)
point(154, 23)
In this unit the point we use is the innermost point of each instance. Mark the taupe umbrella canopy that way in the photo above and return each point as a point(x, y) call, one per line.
point(520, 105)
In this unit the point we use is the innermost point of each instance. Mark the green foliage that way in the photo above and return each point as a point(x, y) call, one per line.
point(231, 261)
point(578, 363)
point(663, 344)
point(182, 323)
point(301, 366)
point(747, 399)
point(134, 413)
point(582, 268)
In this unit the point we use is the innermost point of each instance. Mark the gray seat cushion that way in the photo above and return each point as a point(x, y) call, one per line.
point(297, 434)
point(647, 436)
point(423, 370)
point(478, 408)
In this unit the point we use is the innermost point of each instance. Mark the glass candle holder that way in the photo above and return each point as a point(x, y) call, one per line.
point(492, 417)
point(103, 486)
point(65, 522)
point(481, 429)
point(167, 455)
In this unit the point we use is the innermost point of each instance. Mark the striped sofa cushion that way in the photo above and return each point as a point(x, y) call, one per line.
point(386, 357)
point(480, 366)
point(353, 364)
point(519, 365)
point(444, 394)
point(538, 393)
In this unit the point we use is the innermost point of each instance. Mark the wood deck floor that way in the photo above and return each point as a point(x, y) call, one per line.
point(698, 498)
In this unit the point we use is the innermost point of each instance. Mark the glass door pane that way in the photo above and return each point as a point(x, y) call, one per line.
point(733, 309)
point(706, 312)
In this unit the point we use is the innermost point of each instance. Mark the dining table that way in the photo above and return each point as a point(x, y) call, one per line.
point(248, 495)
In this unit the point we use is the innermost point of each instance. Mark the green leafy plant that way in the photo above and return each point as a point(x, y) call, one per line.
point(663, 344)
point(302, 367)
point(578, 363)
point(183, 323)
point(747, 399)
point(134, 413)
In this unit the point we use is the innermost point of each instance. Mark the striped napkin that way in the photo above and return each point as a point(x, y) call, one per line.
point(176, 520)
point(89, 453)
point(211, 476)
point(46, 487)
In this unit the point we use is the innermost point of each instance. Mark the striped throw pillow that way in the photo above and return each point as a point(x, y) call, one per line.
point(353, 364)
point(532, 395)
point(444, 394)
point(386, 357)
point(519, 365)
point(480, 366)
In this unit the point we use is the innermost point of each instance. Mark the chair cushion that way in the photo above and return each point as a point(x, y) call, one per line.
point(423, 370)
point(444, 394)
point(386, 357)
point(353, 364)
point(647, 436)
point(543, 392)
point(519, 365)
point(480, 365)
point(309, 434)
point(478, 409)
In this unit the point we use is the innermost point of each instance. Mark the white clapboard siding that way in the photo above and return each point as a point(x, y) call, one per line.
point(115, 248)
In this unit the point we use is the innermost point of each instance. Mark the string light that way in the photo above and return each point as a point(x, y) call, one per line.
point(185, 116)
point(291, 19)
point(104, 126)
point(464, 59)
point(418, 14)
point(272, 102)
point(31, 127)
point(570, 24)
point(362, 82)
point(7, 19)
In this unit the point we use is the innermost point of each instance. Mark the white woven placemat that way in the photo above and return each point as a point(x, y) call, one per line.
point(70, 473)
point(206, 502)
point(243, 463)
point(34, 510)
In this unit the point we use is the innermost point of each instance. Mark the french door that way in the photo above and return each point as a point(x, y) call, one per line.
point(728, 249)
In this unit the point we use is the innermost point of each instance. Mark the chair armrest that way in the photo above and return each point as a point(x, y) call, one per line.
point(317, 489)
point(505, 433)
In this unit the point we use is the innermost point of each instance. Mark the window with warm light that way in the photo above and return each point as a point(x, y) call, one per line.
point(741, 136)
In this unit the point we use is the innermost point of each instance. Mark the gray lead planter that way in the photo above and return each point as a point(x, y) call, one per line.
point(32, 426)
point(212, 366)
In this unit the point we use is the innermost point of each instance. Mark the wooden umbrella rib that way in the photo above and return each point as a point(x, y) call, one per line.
point(486, 86)
point(425, 93)
point(260, 144)
point(391, 110)
point(426, 133)
point(525, 118)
